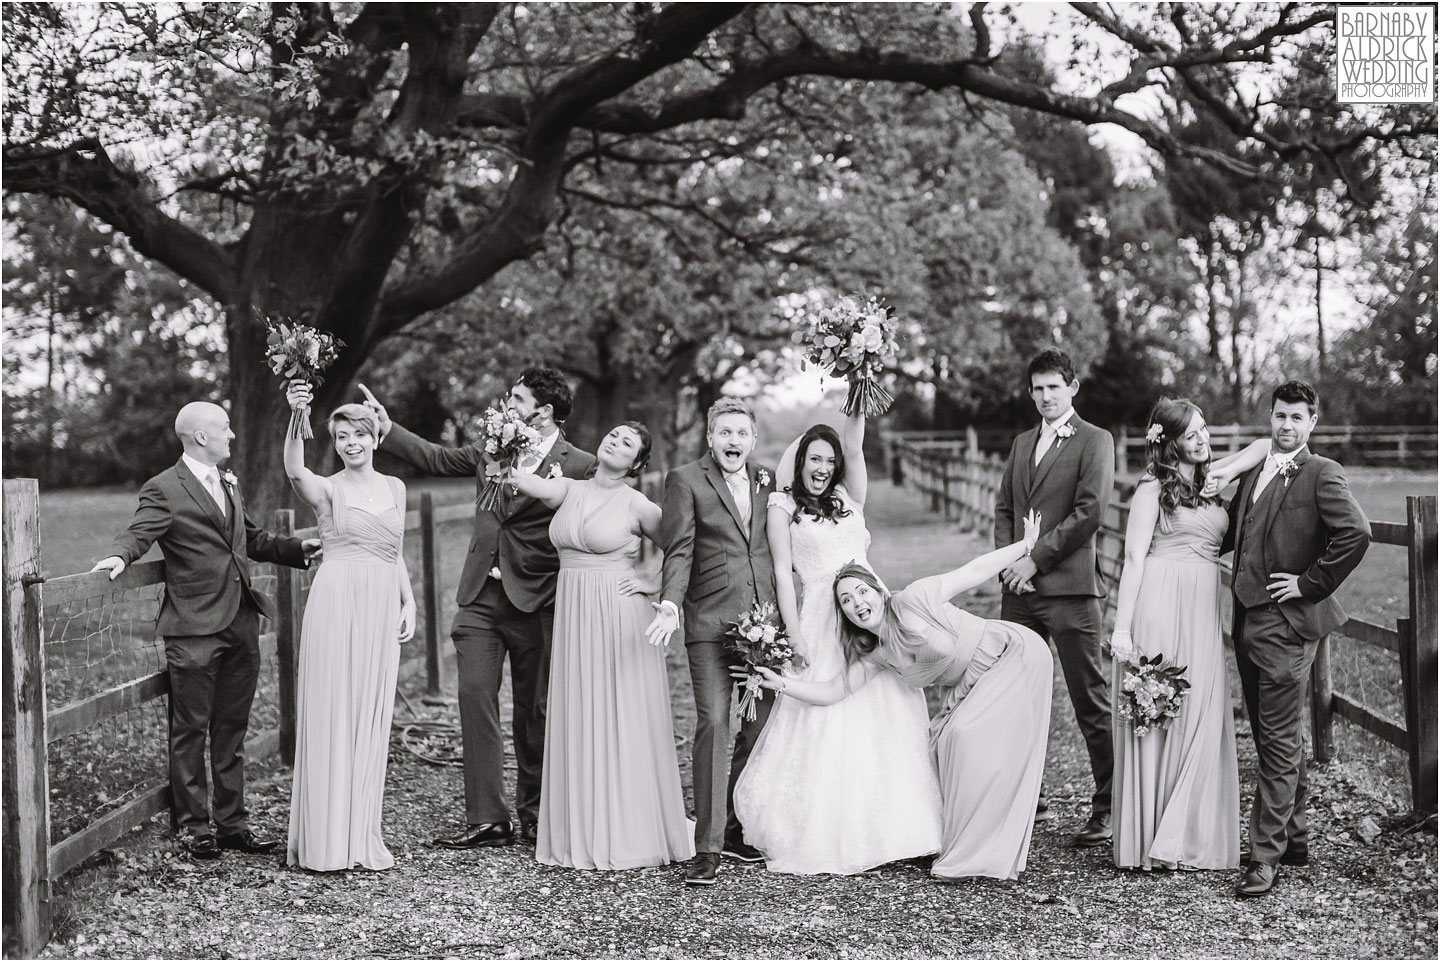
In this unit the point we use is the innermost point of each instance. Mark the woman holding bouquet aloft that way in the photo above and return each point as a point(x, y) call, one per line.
point(1177, 790)
point(839, 788)
point(990, 732)
point(360, 610)
point(610, 794)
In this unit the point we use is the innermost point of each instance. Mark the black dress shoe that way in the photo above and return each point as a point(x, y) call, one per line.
point(702, 868)
point(247, 841)
point(1296, 855)
point(200, 846)
point(484, 835)
point(743, 852)
point(1096, 831)
point(1258, 879)
point(529, 830)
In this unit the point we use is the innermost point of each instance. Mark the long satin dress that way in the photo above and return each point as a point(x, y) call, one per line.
point(345, 689)
point(1177, 789)
point(990, 734)
point(845, 787)
point(610, 794)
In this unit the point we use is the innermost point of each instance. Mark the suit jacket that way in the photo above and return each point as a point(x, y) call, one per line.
point(1070, 488)
point(714, 569)
point(1312, 526)
point(207, 555)
point(514, 536)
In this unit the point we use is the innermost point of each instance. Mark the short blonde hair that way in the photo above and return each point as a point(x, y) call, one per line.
point(356, 414)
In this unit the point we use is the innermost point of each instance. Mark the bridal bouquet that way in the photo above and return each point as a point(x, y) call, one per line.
point(855, 339)
point(297, 352)
point(1151, 692)
point(507, 439)
point(761, 642)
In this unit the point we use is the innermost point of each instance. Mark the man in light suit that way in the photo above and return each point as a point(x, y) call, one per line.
point(1297, 533)
point(1064, 470)
point(717, 565)
point(210, 620)
point(507, 607)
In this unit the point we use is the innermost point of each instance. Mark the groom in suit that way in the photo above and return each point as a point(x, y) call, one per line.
point(210, 620)
point(717, 565)
point(1064, 469)
point(507, 607)
point(1297, 533)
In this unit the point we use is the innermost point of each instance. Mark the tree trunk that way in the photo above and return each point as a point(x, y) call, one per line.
point(1319, 315)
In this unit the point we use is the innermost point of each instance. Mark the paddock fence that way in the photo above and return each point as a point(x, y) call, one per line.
point(961, 481)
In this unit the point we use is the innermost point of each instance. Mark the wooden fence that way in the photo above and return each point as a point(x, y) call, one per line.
point(961, 483)
point(31, 862)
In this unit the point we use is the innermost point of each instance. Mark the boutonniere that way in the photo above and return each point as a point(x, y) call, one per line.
point(229, 478)
point(555, 472)
point(1064, 431)
point(762, 478)
point(1288, 470)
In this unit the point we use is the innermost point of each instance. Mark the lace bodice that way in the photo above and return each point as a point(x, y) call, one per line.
point(819, 548)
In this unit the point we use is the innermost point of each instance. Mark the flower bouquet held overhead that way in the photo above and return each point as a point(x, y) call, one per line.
point(298, 352)
point(761, 642)
point(854, 338)
point(507, 439)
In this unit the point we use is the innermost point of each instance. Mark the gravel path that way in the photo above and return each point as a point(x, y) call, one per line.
point(1369, 892)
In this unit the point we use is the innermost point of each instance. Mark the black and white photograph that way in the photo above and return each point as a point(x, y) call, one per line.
point(700, 480)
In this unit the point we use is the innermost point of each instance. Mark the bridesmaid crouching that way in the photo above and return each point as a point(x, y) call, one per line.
point(360, 610)
point(989, 735)
point(610, 794)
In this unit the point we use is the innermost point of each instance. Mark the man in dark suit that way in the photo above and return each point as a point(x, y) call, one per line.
point(210, 620)
point(507, 607)
point(1297, 533)
point(717, 565)
point(1064, 470)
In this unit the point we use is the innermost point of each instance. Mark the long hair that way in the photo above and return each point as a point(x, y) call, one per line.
point(857, 642)
point(1173, 417)
point(825, 506)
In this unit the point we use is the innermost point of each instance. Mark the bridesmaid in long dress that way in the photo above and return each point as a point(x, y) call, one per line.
point(610, 794)
point(990, 733)
point(1177, 790)
point(360, 610)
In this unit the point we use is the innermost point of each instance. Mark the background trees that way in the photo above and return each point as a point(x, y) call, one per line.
point(627, 190)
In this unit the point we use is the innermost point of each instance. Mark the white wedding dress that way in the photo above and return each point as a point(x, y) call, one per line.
point(846, 787)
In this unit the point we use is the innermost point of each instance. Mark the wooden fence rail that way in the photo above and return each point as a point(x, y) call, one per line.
point(961, 482)
point(31, 862)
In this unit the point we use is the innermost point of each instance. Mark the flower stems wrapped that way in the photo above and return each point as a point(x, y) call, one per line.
point(297, 352)
point(760, 641)
point(854, 338)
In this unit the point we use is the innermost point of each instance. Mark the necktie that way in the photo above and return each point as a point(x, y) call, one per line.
point(212, 483)
point(1267, 474)
point(1047, 437)
point(740, 491)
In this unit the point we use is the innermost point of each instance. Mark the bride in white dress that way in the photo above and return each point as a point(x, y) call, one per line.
point(846, 787)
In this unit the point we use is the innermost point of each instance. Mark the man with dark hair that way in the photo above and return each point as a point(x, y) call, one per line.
point(717, 564)
point(507, 606)
point(1063, 469)
point(1297, 533)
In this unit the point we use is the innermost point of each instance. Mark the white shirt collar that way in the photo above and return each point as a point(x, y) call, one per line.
point(1285, 458)
point(1058, 421)
point(543, 448)
point(200, 469)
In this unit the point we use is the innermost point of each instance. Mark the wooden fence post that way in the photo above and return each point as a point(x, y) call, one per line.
point(972, 443)
point(1122, 452)
point(1418, 651)
point(1322, 694)
point(897, 462)
point(289, 615)
point(430, 595)
point(26, 780)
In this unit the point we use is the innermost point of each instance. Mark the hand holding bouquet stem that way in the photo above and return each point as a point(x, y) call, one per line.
point(300, 353)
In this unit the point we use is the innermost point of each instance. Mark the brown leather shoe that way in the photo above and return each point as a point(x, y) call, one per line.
point(1258, 879)
point(1096, 831)
point(484, 835)
point(247, 841)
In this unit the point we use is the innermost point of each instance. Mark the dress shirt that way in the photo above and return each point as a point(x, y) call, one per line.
point(209, 476)
point(1047, 434)
point(1273, 461)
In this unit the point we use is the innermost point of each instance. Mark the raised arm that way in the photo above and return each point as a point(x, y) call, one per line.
point(550, 491)
point(1224, 471)
point(857, 479)
point(313, 489)
point(1139, 532)
point(987, 566)
point(777, 530)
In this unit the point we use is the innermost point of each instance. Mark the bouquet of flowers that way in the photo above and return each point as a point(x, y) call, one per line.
point(1151, 692)
point(507, 439)
point(761, 643)
point(297, 352)
point(854, 338)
